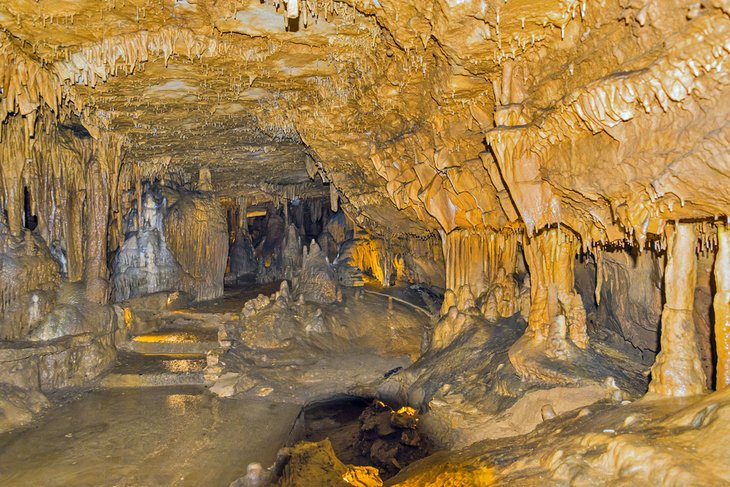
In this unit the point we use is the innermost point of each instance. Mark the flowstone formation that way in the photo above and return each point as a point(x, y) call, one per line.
point(544, 184)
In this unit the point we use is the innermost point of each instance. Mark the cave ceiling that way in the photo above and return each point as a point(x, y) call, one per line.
point(424, 116)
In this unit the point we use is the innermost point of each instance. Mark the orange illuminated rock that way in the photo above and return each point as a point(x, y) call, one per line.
point(490, 149)
point(722, 307)
point(677, 371)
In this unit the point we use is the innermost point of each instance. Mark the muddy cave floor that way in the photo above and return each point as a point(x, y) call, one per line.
point(152, 421)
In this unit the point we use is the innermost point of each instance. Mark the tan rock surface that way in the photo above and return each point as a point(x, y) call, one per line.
point(524, 137)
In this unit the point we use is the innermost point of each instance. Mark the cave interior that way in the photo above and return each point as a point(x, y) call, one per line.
point(364, 242)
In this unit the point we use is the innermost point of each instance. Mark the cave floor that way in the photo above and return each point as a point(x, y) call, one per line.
point(295, 352)
point(173, 436)
point(234, 296)
point(153, 422)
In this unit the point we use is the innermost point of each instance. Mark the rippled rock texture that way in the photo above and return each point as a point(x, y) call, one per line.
point(565, 162)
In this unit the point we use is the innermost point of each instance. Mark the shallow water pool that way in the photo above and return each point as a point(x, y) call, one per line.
point(180, 436)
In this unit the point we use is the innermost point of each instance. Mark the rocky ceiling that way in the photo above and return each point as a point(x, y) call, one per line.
point(604, 116)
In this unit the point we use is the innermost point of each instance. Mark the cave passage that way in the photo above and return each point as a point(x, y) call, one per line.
point(503, 222)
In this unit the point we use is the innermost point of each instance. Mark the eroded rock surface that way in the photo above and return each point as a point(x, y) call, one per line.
point(496, 151)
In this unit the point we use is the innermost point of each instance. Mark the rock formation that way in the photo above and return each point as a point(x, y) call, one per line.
point(546, 179)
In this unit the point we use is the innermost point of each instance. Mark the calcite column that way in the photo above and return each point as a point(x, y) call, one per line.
point(14, 202)
point(12, 164)
point(95, 233)
point(550, 258)
point(73, 234)
point(678, 369)
point(556, 325)
point(721, 306)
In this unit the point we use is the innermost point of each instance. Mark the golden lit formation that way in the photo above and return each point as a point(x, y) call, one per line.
point(452, 242)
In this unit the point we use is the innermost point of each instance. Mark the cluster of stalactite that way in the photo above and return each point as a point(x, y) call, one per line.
point(143, 264)
point(610, 117)
point(29, 277)
point(576, 167)
point(173, 239)
point(28, 84)
point(539, 187)
point(64, 182)
point(480, 271)
point(75, 190)
point(196, 233)
point(369, 255)
point(481, 280)
point(391, 261)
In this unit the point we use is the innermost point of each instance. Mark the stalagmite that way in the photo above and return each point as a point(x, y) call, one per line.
point(492, 213)
point(550, 258)
point(557, 319)
point(721, 307)
point(677, 370)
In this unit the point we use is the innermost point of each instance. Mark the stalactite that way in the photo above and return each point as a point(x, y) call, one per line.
point(196, 233)
point(138, 193)
point(370, 255)
point(678, 370)
point(334, 198)
point(315, 209)
point(25, 84)
point(483, 262)
point(242, 215)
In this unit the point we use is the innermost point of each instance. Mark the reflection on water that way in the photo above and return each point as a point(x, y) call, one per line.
point(184, 365)
point(145, 437)
point(167, 337)
point(131, 363)
point(180, 404)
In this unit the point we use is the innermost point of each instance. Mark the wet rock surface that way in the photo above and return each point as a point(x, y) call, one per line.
point(642, 443)
point(557, 171)
point(303, 351)
point(365, 433)
point(145, 437)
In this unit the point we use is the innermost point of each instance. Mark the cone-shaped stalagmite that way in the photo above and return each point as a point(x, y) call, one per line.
point(678, 370)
